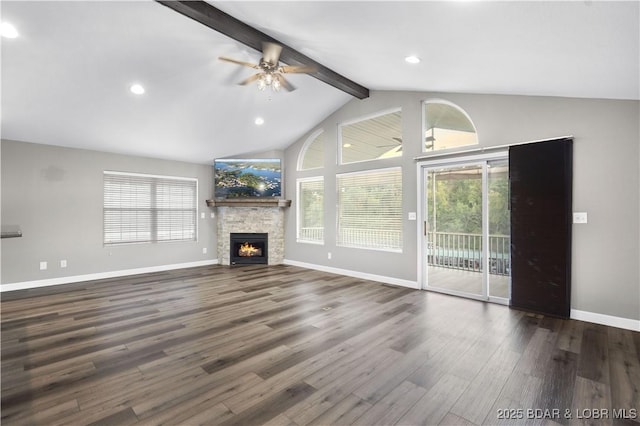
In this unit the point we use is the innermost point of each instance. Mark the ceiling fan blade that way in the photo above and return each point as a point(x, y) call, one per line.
point(271, 52)
point(235, 61)
point(284, 83)
point(298, 69)
point(250, 80)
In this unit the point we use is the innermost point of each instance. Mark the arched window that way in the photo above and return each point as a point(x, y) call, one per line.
point(371, 138)
point(312, 153)
point(446, 126)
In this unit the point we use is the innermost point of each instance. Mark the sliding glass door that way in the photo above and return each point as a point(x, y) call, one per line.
point(454, 229)
point(499, 268)
point(465, 231)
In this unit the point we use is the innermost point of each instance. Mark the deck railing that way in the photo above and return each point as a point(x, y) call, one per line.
point(357, 237)
point(445, 249)
point(464, 251)
point(315, 234)
point(372, 238)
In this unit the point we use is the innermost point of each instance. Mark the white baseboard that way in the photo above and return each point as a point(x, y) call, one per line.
point(355, 274)
point(626, 323)
point(101, 275)
point(609, 320)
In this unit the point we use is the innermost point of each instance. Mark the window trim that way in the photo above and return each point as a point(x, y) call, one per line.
point(151, 177)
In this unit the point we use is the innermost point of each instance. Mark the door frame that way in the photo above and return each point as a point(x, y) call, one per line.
point(453, 160)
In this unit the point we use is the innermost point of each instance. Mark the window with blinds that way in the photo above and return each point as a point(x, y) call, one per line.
point(311, 210)
point(370, 209)
point(144, 208)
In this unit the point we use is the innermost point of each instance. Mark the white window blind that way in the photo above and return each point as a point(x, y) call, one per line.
point(370, 209)
point(311, 210)
point(144, 208)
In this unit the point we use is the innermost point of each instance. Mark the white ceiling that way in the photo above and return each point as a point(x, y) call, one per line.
point(65, 80)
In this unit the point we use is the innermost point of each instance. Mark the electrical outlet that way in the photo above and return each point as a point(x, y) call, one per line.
point(63, 263)
point(202, 215)
point(43, 266)
point(204, 250)
point(579, 217)
point(329, 255)
point(213, 215)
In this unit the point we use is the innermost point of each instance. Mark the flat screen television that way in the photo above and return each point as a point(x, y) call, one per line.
point(248, 178)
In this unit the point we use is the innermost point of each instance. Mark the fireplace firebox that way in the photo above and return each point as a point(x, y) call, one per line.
point(248, 248)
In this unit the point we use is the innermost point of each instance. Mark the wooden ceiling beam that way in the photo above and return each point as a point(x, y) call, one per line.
point(226, 24)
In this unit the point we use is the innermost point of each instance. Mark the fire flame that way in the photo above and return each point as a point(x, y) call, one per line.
point(249, 250)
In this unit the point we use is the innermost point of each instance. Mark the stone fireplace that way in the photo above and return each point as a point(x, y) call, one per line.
point(241, 218)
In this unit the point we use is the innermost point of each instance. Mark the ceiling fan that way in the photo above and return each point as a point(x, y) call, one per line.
point(270, 72)
point(429, 140)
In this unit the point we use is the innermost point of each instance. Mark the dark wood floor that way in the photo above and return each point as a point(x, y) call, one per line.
point(285, 345)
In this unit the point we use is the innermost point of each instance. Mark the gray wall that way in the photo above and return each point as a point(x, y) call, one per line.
point(606, 251)
point(56, 194)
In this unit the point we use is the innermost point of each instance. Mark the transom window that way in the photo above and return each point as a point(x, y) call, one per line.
point(143, 208)
point(446, 126)
point(312, 155)
point(372, 138)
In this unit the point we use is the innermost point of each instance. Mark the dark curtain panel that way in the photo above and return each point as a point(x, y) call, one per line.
point(540, 176)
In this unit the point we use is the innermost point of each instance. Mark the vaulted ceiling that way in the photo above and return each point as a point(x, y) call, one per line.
point(66, 78)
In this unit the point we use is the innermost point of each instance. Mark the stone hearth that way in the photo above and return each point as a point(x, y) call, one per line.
point(269, 220)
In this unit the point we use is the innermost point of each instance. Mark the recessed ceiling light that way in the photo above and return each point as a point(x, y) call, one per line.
point(9, 31)
point(412, 59)
point(259, 121)
point(137, 89)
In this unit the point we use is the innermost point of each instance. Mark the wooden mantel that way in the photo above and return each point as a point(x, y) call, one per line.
point(249, 202)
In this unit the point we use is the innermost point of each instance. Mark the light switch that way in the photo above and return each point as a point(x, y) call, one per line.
point(202, 215)
point(412, 216)
point(579, 217)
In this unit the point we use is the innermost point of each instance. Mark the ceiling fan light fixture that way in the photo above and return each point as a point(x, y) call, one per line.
point(269, 79)
point(262, 84)
point(270, 73)
point(275, 85)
